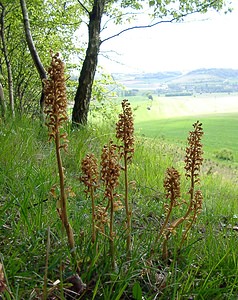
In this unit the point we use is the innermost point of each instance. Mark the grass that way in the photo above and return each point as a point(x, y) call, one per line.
point(206, 268)
point(217, 128)
point(169, 118)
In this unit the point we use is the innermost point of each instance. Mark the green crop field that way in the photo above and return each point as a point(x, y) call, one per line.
point(170, 118)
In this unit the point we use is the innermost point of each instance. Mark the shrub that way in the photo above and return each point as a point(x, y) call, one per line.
point(224, 154)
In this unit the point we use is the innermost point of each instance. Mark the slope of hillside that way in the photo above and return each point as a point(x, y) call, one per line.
point(197, 81)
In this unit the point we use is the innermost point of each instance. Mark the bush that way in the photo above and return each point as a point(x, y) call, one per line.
point(224, 154)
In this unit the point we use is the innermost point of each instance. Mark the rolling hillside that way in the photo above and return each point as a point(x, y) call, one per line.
point(176, 83)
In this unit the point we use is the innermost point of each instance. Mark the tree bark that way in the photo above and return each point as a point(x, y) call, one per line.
point(2, 102)
point(8, 63)
point(34, 54)
point(86, 78)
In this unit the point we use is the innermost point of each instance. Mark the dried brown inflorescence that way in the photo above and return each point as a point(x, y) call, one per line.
point(90, 171)
point(103, 213)
point(110, 172)
point(101, 218)
point(110, 169)
point(125, 133)
point(56, 111)
point(196, 206)
point(125, 130)
point(90, 179)
point(172, 185)
point(193, 159)
point(172, 188)
point(55, 99)
point(173, 194)
point(193, 162)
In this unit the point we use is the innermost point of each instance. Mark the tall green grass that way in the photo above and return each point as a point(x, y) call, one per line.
point(205, 269)
point(220, 133)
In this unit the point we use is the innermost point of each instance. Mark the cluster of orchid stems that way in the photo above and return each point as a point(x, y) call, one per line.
point(56, 116)
point(112, 154)
point(193, 161)
point(110, 173)
point(109, 177)
point(115, 159)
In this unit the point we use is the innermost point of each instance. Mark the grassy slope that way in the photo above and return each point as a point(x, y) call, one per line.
point(220, 131)
point(170, 118)
point(206, 268)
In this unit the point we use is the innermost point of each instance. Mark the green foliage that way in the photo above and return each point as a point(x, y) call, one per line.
point(178, 9)
point(26, 176)
point(224, 154)
point(165, 122)
point(159, 8)
point(102, 104)
point(53, 24)
point(137, 291)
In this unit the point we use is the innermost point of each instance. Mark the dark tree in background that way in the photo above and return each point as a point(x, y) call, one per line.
point(163, 11)
point(34, 54)
point(87, 74)
point(8, 65)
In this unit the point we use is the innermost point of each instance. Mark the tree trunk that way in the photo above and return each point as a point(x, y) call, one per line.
point(86, 78)
point(33, 51)
point(8, 63)
point(2, 102)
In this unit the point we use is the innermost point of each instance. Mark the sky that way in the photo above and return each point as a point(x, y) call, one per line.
point(201, 41)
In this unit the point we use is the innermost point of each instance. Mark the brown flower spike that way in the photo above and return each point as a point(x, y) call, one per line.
point(110, 172)
point(172, 185)
point(56, 111)
point(90, 171)
point(172, 188)
point(125, 129)
point(125, 133)
point(193, 159)
point(193, 162)
point(55, 99)
point(90, 179)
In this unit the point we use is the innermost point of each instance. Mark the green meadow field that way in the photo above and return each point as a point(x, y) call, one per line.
point(171, 118)
point(36, 262)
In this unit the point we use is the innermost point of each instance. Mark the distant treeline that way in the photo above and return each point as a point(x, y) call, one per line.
point(178, 94)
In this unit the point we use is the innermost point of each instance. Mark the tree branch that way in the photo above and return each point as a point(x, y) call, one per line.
point(138, 27)
point(115, 17)
point(30, 42)
point(174, 19)
point(84, 8)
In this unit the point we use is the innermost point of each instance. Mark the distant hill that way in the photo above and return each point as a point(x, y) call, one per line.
point(135, 80)
point(197, 81)
point(221, 73)
point(159, 76)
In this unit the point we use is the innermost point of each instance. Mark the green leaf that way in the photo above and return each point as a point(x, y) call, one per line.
point(137, 291)
point(121, 291)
